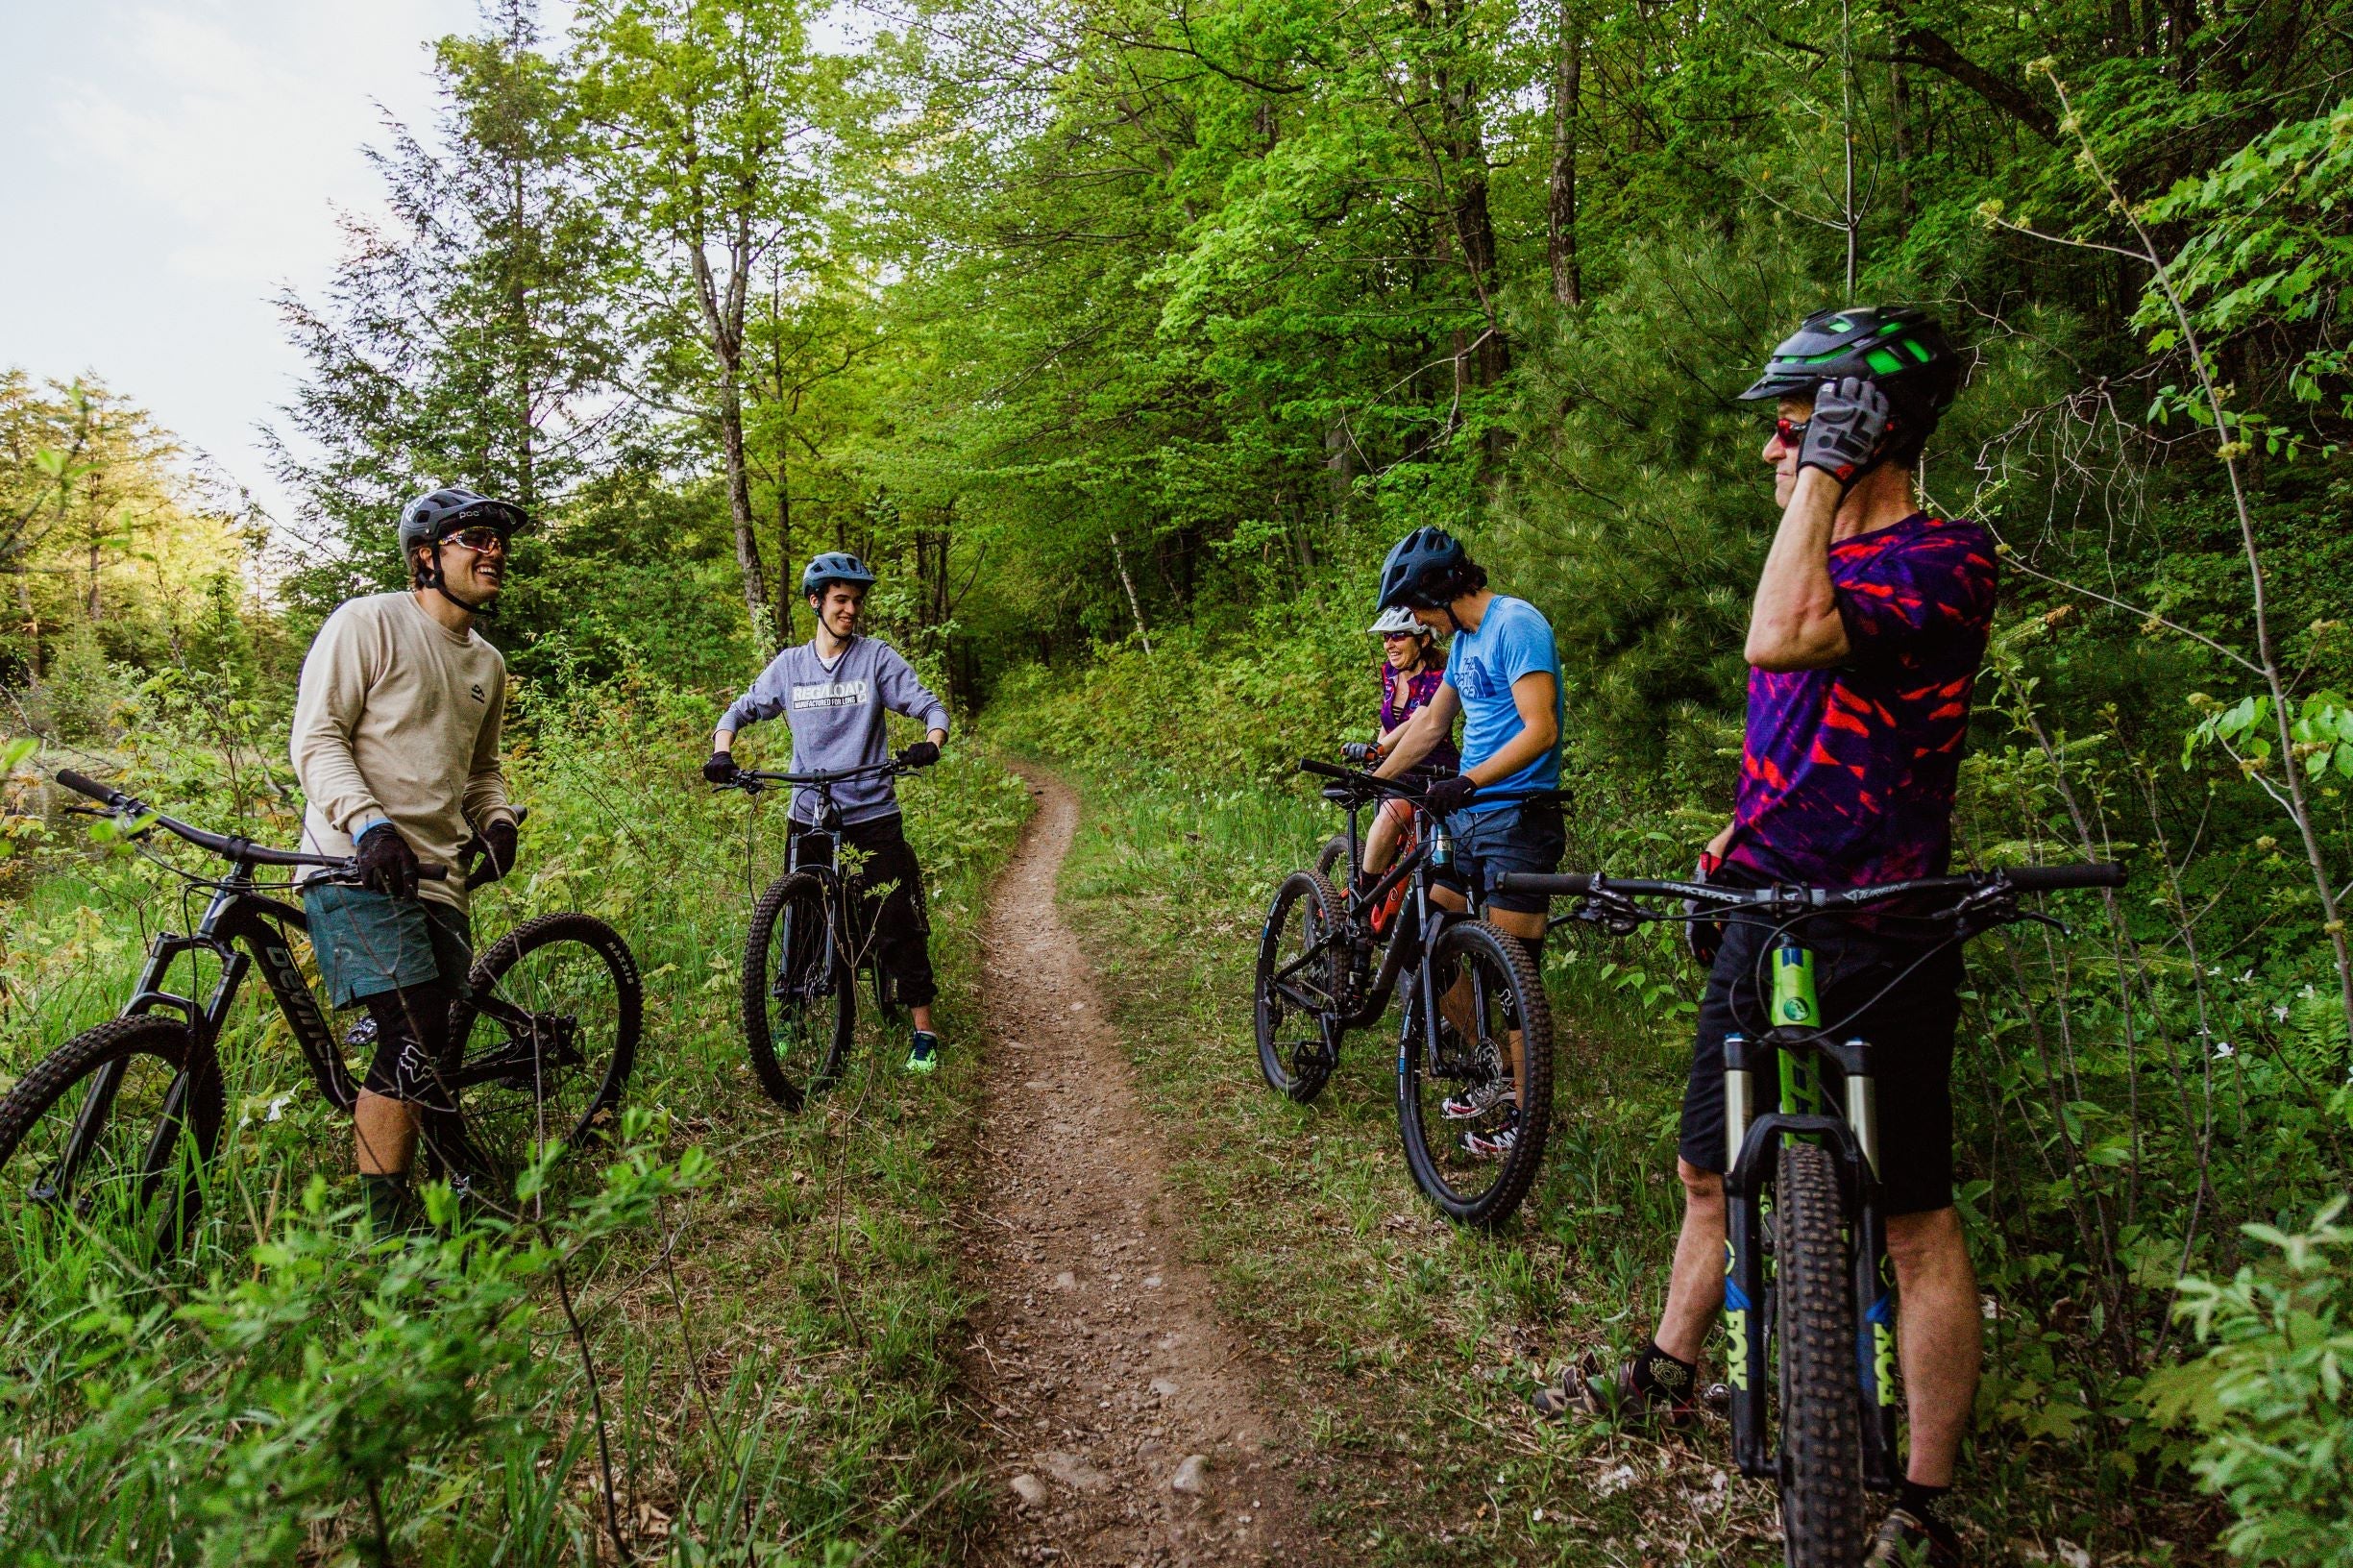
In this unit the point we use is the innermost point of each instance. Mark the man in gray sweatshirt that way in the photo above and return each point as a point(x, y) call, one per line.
point(835, 691)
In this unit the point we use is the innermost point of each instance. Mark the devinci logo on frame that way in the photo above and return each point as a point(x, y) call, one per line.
point(830, 694)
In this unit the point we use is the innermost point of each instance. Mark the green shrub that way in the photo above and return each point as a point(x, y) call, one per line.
point(2271, 1393)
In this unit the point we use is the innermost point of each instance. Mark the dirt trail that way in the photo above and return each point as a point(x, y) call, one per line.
point(1121, 1419)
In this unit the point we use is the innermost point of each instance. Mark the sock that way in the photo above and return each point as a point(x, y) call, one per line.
point(1667, 1377)
point(386, 1198)
point(1921, 1503)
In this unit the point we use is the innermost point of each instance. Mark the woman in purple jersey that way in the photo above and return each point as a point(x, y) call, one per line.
point(1410, 674)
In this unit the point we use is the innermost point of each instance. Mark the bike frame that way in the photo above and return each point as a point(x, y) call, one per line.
point(1794, 1051)
point(843, 920)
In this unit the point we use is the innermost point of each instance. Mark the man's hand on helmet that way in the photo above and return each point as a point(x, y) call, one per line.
point(1848, 429)
point(720, 768)
point(386, 863)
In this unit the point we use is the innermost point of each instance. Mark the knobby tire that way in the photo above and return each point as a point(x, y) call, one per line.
point(1821, 1436)
point(1438, 1164)
point(576, 980)
point(797, 1042)
point(141, 1180)
point(1292, 1038)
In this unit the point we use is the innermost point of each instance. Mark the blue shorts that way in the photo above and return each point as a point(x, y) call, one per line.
point(368, 941)
point(1526, 836)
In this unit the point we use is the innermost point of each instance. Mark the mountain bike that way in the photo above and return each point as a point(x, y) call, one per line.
point(1474, 998)
point(115, 1129)
point(1808, 1292)
point(811, 933)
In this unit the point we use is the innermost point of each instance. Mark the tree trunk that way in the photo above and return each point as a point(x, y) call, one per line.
point(1568, 83)
point(785, 585)
point(739, 512)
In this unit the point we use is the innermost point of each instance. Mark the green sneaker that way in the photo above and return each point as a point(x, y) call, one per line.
point(924, 1056)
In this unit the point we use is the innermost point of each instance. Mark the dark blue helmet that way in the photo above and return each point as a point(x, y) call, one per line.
point(1426, 570)
point(834, 566)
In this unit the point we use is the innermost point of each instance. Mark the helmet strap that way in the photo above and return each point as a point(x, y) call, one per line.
point(487, 610)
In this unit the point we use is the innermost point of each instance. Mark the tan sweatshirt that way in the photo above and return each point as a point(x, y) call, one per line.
point(397, 715)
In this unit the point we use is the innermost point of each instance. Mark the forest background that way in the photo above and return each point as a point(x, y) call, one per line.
point(1123, 337)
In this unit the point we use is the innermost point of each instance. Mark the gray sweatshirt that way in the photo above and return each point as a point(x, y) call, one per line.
point(837, 717)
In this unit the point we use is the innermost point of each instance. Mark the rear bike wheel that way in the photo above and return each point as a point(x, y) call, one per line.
point(111, 1134)
point(1488, 992)
point(800, 991)
point(1297, 994)
point(544, 1038)
point(1332, 859)
point(1821, 1436)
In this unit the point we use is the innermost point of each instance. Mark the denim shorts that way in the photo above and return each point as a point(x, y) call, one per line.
point(1522, 837)
point(368, 941)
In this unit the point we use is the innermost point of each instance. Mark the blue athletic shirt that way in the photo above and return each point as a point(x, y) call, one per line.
point(1514, 639)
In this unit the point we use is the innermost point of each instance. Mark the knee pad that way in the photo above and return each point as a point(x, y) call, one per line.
point(411, 1037)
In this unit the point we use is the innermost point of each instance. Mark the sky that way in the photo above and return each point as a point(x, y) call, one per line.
point(172, 166)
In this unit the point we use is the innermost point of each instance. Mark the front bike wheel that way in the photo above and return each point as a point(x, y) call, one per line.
point(111, 1134)
point(800, 992)
point(1821, 1436)
point(1478, 1164)
point(1296, 997)
point(544, 1039)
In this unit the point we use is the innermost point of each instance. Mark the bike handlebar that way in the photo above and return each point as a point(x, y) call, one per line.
point(1362, 780)
point(752, 777)
point(2007, 879)
point(243, 851)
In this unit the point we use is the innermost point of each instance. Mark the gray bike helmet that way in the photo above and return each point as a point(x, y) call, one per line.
point(433, 517)
point(834, 566)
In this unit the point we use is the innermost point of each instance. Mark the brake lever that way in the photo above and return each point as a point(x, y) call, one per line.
point(1613, 916)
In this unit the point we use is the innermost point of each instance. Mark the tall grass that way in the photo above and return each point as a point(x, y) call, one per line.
point(765, 1304)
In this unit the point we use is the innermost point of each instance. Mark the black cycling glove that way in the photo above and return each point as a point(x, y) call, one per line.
point(386, 863)
point(498, 850)
point(1702, 932)
point(1450, 795)
point(1848, 430)
point(720, 768)
point(922, 754)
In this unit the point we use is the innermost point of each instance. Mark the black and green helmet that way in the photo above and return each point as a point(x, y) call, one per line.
point(1899, 347)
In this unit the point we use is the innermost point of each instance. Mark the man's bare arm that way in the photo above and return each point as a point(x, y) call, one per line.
point(1794, 623)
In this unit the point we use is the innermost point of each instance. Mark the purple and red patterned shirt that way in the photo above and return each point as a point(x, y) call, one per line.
point(1401, 699)
point(1846, 776)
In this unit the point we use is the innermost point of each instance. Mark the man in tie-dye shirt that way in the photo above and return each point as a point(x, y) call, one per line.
point(1869, 621)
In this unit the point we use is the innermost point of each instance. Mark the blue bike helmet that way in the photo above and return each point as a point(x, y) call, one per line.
point(834, 566)
point(1427, 569)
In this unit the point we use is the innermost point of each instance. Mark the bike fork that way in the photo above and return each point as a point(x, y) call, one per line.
point(1747, 1365)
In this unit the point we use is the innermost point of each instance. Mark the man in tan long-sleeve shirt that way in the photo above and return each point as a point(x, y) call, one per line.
point(396, 743)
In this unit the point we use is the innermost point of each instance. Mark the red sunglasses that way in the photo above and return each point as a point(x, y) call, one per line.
point(1791, 433)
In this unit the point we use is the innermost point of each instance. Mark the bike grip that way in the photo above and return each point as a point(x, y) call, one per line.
point(1545, 884)
point(82, 785)
point(2105, 873)
point(1310, 765)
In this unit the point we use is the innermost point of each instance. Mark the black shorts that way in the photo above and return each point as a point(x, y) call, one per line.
point(1524, 837)
point(1910, 1028)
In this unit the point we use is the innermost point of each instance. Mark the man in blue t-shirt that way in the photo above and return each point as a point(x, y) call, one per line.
point(1503, 674)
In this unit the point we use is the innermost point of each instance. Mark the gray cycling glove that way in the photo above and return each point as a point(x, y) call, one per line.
point(1848, 432)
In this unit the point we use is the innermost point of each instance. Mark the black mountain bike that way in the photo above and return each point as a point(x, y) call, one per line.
point(1475, 996)
point(1807, 1273)
point(115, 1129)
point(811, 933)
